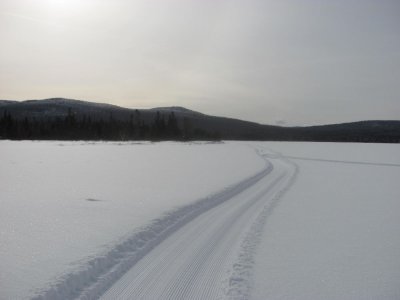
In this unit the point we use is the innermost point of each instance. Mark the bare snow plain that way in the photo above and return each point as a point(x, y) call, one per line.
point(234, 220)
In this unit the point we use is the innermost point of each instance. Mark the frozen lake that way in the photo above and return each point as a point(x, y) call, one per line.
point(331, 233)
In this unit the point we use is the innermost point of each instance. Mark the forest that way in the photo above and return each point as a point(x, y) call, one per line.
point(44, 122)
point(72, 127)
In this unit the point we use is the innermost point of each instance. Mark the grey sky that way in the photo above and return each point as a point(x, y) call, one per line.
point(299, 62)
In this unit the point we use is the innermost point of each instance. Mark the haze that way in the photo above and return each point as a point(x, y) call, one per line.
point(273, 62)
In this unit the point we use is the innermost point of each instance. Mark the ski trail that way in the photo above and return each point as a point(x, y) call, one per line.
point(211, 256)
point(379, 164)
point(239, 283)
point(96, 276)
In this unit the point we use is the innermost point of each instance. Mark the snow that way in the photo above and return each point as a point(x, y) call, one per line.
point(48, 226)
point(207, 220)
point(335, 234)
point(195, 260)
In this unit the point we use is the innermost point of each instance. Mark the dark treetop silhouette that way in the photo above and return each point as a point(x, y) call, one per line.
point(65, 119)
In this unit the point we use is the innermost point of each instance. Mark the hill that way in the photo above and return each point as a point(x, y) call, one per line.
point(60, 118)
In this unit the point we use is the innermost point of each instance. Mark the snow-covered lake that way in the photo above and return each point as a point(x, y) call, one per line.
point(333, 234)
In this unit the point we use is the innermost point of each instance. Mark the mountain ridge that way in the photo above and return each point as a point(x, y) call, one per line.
point(48, 110)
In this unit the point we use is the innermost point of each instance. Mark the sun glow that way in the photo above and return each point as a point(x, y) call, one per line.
point(62, 7)
point(62, 4)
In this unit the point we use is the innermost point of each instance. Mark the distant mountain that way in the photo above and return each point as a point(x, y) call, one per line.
point(60, 107)
point(59, 118)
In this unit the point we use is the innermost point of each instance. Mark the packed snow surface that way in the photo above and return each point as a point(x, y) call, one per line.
point(64, 203)
point(234, 220)
point(335, 235)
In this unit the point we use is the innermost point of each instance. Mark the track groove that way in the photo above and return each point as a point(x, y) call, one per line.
point(205, 258)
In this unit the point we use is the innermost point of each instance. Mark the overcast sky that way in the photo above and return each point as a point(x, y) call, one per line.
point(293, 62)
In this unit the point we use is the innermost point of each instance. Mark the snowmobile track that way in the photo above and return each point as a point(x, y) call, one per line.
point(200, 251)
point(211, 256)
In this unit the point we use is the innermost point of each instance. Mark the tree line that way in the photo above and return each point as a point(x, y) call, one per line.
point(166, 126)
point(84, 127)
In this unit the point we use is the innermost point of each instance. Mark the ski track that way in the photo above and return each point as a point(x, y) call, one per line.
point(204, 250)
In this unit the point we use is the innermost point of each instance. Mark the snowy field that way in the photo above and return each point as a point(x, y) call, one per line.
point(235, 220)
point(335, 235)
